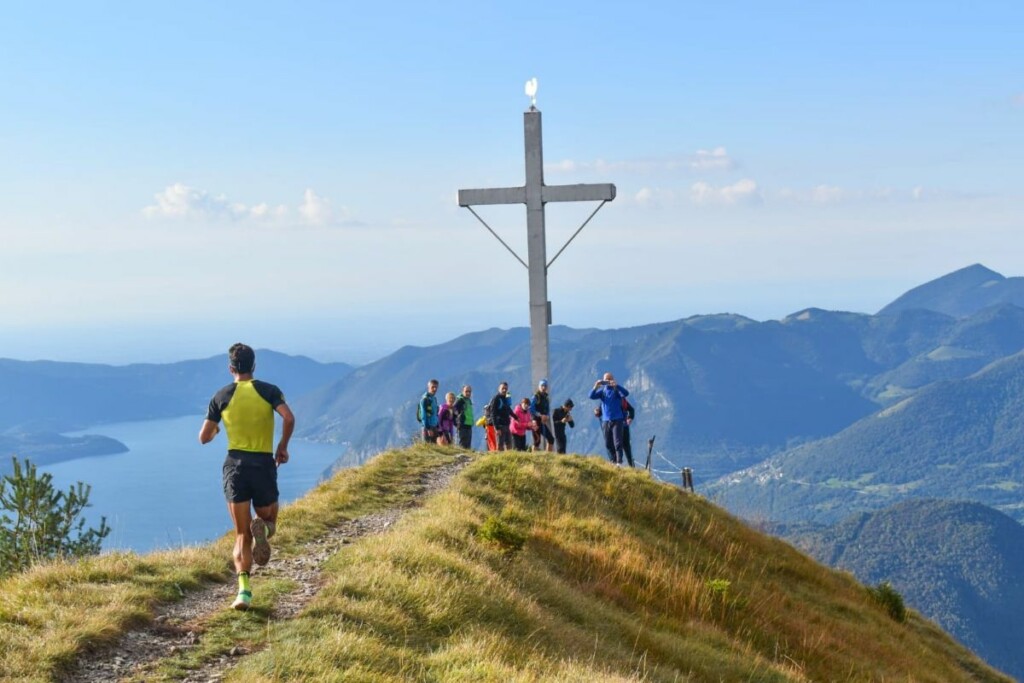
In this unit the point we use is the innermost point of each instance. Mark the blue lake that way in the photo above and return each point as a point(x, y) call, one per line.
point(166, 490)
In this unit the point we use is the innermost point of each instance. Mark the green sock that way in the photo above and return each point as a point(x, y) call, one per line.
point(243, 581)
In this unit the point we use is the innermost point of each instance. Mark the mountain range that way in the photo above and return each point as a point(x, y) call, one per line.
point(720, 392)
point(959, 438)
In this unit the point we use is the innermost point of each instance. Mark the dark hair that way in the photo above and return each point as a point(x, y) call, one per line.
point(568, 403)
point(242, 358)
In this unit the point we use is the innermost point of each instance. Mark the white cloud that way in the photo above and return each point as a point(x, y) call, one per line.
point(716, 159)
point(832, 194)
point(315, 209)
point(644, 196)
point(179, 201)
point(563, 166)
point(741, 192)
point(826, 194)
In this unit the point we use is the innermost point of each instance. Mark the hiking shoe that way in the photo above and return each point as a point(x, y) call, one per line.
point(242, 601)
point(260, 546)
point(271, 529)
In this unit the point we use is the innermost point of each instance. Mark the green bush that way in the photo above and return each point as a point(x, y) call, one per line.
point(40, 523)
point(890, 599)
point(497, 531)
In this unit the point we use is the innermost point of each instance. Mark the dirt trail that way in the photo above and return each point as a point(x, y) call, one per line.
point(178, 626)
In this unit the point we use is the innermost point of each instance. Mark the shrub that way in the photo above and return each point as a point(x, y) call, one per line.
point(495, 530)
point(890, 600)
point(39, 523)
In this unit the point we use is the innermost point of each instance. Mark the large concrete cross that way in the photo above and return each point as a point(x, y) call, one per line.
point(535, 194)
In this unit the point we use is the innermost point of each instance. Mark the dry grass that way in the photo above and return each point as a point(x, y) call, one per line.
point(54, 612)
point(619, 579)
point(529, 568)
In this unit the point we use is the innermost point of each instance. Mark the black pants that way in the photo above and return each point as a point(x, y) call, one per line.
point(466, 436)
point(626, 447)
point(560, 438)
point(613, 439)
point(519, 442)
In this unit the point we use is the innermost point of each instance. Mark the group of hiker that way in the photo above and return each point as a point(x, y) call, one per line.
point(507, 426)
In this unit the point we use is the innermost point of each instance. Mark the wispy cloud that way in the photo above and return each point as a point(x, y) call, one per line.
point(702, 160)
point(832, 194)
point(741, 192)
point(747, 192)
point(714, 159)
point(179, 201)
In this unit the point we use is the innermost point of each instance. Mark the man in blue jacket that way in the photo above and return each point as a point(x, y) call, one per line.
point(613, 418)
point(427, 412)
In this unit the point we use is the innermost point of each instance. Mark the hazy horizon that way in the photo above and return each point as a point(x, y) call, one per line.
point(362, 340)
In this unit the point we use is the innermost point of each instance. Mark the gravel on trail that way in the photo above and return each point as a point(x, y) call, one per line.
point(177, 626)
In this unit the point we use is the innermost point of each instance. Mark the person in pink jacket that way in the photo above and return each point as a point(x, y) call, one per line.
point(521, 424)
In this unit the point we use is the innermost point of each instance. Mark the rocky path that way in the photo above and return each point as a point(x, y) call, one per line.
point(179, 626)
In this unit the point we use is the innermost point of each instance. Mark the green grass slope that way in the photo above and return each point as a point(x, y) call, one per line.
point(534, 567)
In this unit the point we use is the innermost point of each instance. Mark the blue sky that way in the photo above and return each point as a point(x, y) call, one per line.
point(181, 176)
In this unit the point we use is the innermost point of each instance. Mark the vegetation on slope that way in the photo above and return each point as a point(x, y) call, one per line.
point(959, 563)
point(535, 567)
point(530, 567)
point(52, 613)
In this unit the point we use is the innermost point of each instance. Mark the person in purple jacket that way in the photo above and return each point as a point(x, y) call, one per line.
point(613, 418)
point(446, 421)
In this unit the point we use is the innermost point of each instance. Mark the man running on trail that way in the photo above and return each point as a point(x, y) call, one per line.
point(247, 407)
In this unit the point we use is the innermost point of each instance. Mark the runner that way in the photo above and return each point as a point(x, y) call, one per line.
point(247, 407)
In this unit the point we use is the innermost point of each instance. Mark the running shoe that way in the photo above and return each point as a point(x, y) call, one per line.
point(242, 601)
point(260, 544)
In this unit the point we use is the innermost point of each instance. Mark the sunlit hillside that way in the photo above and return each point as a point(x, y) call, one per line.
point(526, 567)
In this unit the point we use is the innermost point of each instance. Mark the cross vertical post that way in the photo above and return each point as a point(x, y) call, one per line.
point(535, 194)
point(536, 247)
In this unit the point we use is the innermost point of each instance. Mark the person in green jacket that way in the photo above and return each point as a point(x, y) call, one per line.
point(464, 417)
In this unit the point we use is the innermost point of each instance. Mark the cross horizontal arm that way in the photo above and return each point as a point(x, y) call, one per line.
point(578, 193)
point(494, 195)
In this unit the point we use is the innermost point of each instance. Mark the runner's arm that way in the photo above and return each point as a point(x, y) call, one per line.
point(208, 431)
point(287, 428)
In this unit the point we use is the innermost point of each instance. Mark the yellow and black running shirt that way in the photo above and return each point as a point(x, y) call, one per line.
point(248, 411)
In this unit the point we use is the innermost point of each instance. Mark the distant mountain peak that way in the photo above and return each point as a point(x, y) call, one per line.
point(961, 293)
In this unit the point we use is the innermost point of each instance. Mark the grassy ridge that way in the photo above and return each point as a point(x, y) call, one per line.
point(530, 567)
point(52, 613)
point(534, 567)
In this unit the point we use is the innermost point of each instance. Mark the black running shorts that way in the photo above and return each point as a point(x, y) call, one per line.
point(250, 476)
